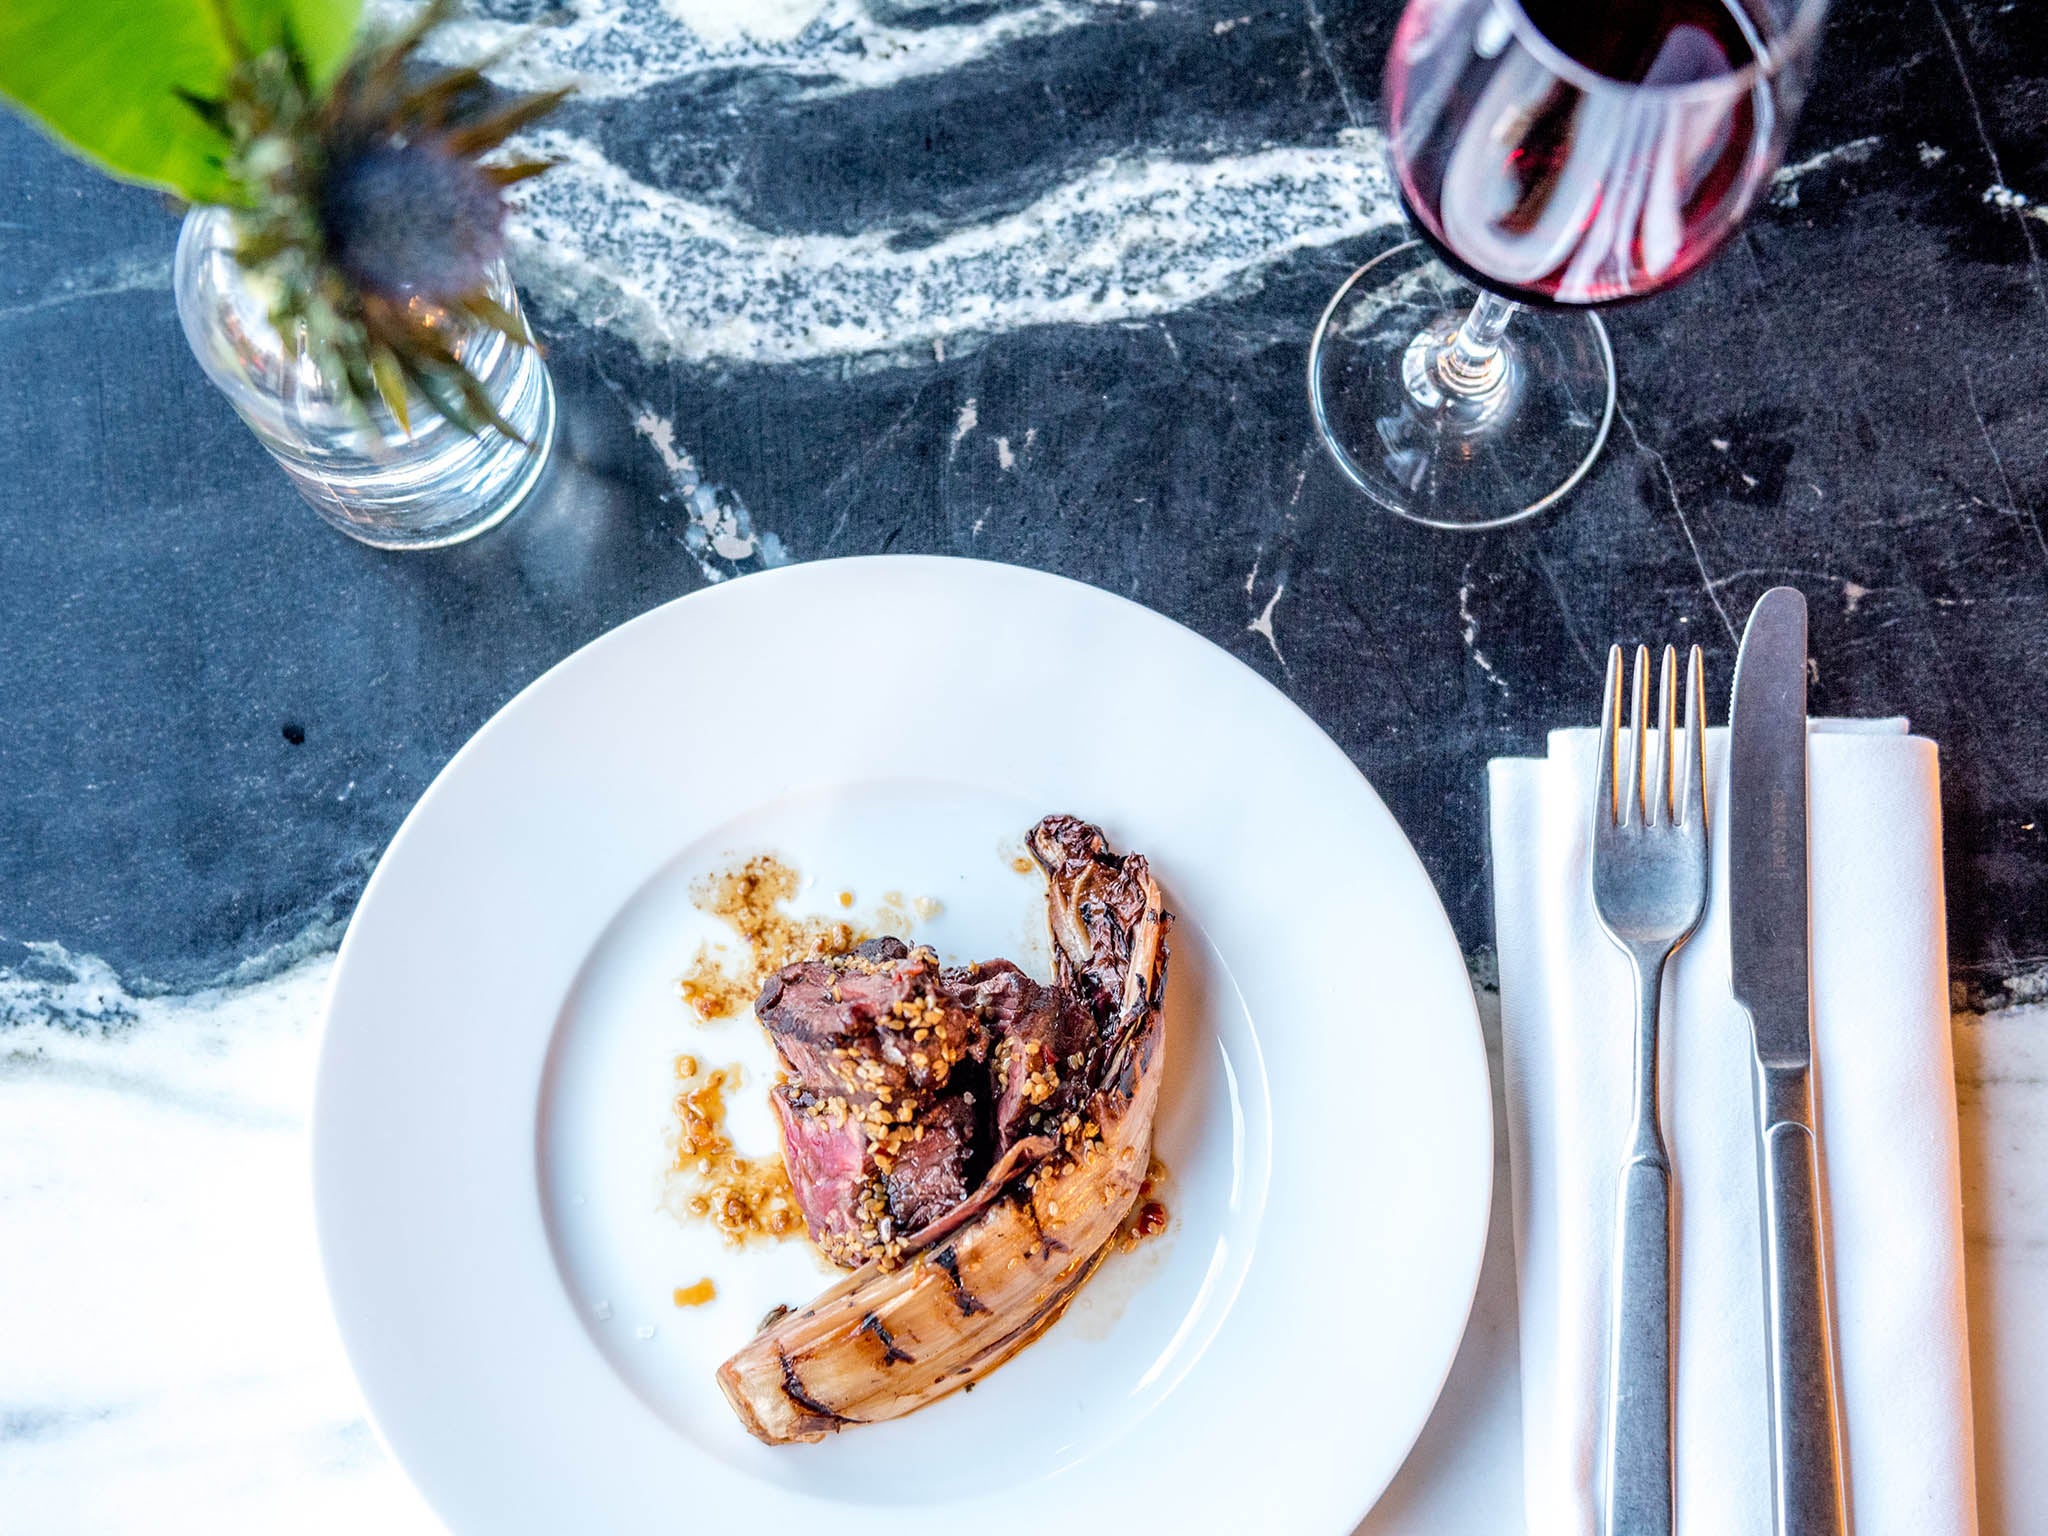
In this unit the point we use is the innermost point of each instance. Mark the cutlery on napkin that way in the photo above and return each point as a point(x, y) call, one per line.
point(1884, 1082)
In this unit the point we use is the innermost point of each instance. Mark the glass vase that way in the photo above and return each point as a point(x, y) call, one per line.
point(433, 486)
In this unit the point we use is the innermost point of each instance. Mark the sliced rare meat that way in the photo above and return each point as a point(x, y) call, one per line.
point(880, 1113)
point(933, 1171)
point(907, 1083)
point(1044, 1037)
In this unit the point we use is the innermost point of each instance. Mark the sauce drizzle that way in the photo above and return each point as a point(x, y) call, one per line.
point(708, 1180)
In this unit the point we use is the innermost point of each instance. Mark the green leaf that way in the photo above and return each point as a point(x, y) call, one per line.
point(110, 77)
point(325, 31)
point(499, 318)
point(518, 171)
point(391, 385)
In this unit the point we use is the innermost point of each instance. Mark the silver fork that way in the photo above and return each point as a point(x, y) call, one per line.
point(1649, 863)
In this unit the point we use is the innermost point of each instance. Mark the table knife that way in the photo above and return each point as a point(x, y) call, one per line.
point(1767, 903)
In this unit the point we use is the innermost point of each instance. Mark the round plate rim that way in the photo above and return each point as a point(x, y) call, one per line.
point(1477, 1088)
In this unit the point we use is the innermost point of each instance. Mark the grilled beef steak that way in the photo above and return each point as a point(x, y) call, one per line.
point(886, 1089)
point(969, 1137)
point(1044, 1041)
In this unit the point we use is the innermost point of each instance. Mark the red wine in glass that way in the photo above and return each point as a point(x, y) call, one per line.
point(1579, 154)
point(1558, 156)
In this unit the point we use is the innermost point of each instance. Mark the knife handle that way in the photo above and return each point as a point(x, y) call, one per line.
point(1807, 1496)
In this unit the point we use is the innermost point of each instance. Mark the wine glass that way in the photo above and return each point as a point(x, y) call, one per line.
point(1555, 156)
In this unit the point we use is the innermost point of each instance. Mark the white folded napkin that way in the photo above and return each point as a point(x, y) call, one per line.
point(1886, 1088)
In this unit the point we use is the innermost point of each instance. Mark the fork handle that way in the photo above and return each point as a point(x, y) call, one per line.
point(1639, 1382)
point(1806, 1456)
point(1639, 1325)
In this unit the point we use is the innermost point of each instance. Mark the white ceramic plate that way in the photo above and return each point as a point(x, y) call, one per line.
point(495, 1082)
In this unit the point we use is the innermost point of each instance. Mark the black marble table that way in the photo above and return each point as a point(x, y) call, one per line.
point(217, 710)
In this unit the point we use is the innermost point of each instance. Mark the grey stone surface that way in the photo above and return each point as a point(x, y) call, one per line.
point(216, 710)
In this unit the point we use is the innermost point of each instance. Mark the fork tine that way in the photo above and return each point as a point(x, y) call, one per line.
point(1638, 778)
point(1695, 740)
point(1665, 811)
point(1604, 809)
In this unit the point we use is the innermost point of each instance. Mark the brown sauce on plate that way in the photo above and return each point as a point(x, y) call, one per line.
point(696, 1295)
point(709, 1180)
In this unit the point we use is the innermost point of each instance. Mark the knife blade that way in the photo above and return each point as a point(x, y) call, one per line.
point(1767, 916)
point(1770, 969)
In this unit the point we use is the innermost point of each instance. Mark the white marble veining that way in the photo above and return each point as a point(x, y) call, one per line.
point(608, 48)
point(167, 1362)
point(1134, 236)
point(126, 273)
point(166, 1358)
point(1130, 238)
point(1785, 180)
point(719, 532)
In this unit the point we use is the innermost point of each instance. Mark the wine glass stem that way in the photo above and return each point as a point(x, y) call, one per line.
point(1472, 363)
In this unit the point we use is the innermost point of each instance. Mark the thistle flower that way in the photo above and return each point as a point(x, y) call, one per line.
point(370, 209)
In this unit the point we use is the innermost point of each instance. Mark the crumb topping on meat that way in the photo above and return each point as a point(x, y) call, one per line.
point(907, 1082)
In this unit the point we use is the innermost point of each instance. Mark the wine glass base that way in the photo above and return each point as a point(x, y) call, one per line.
point(1442, 449)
